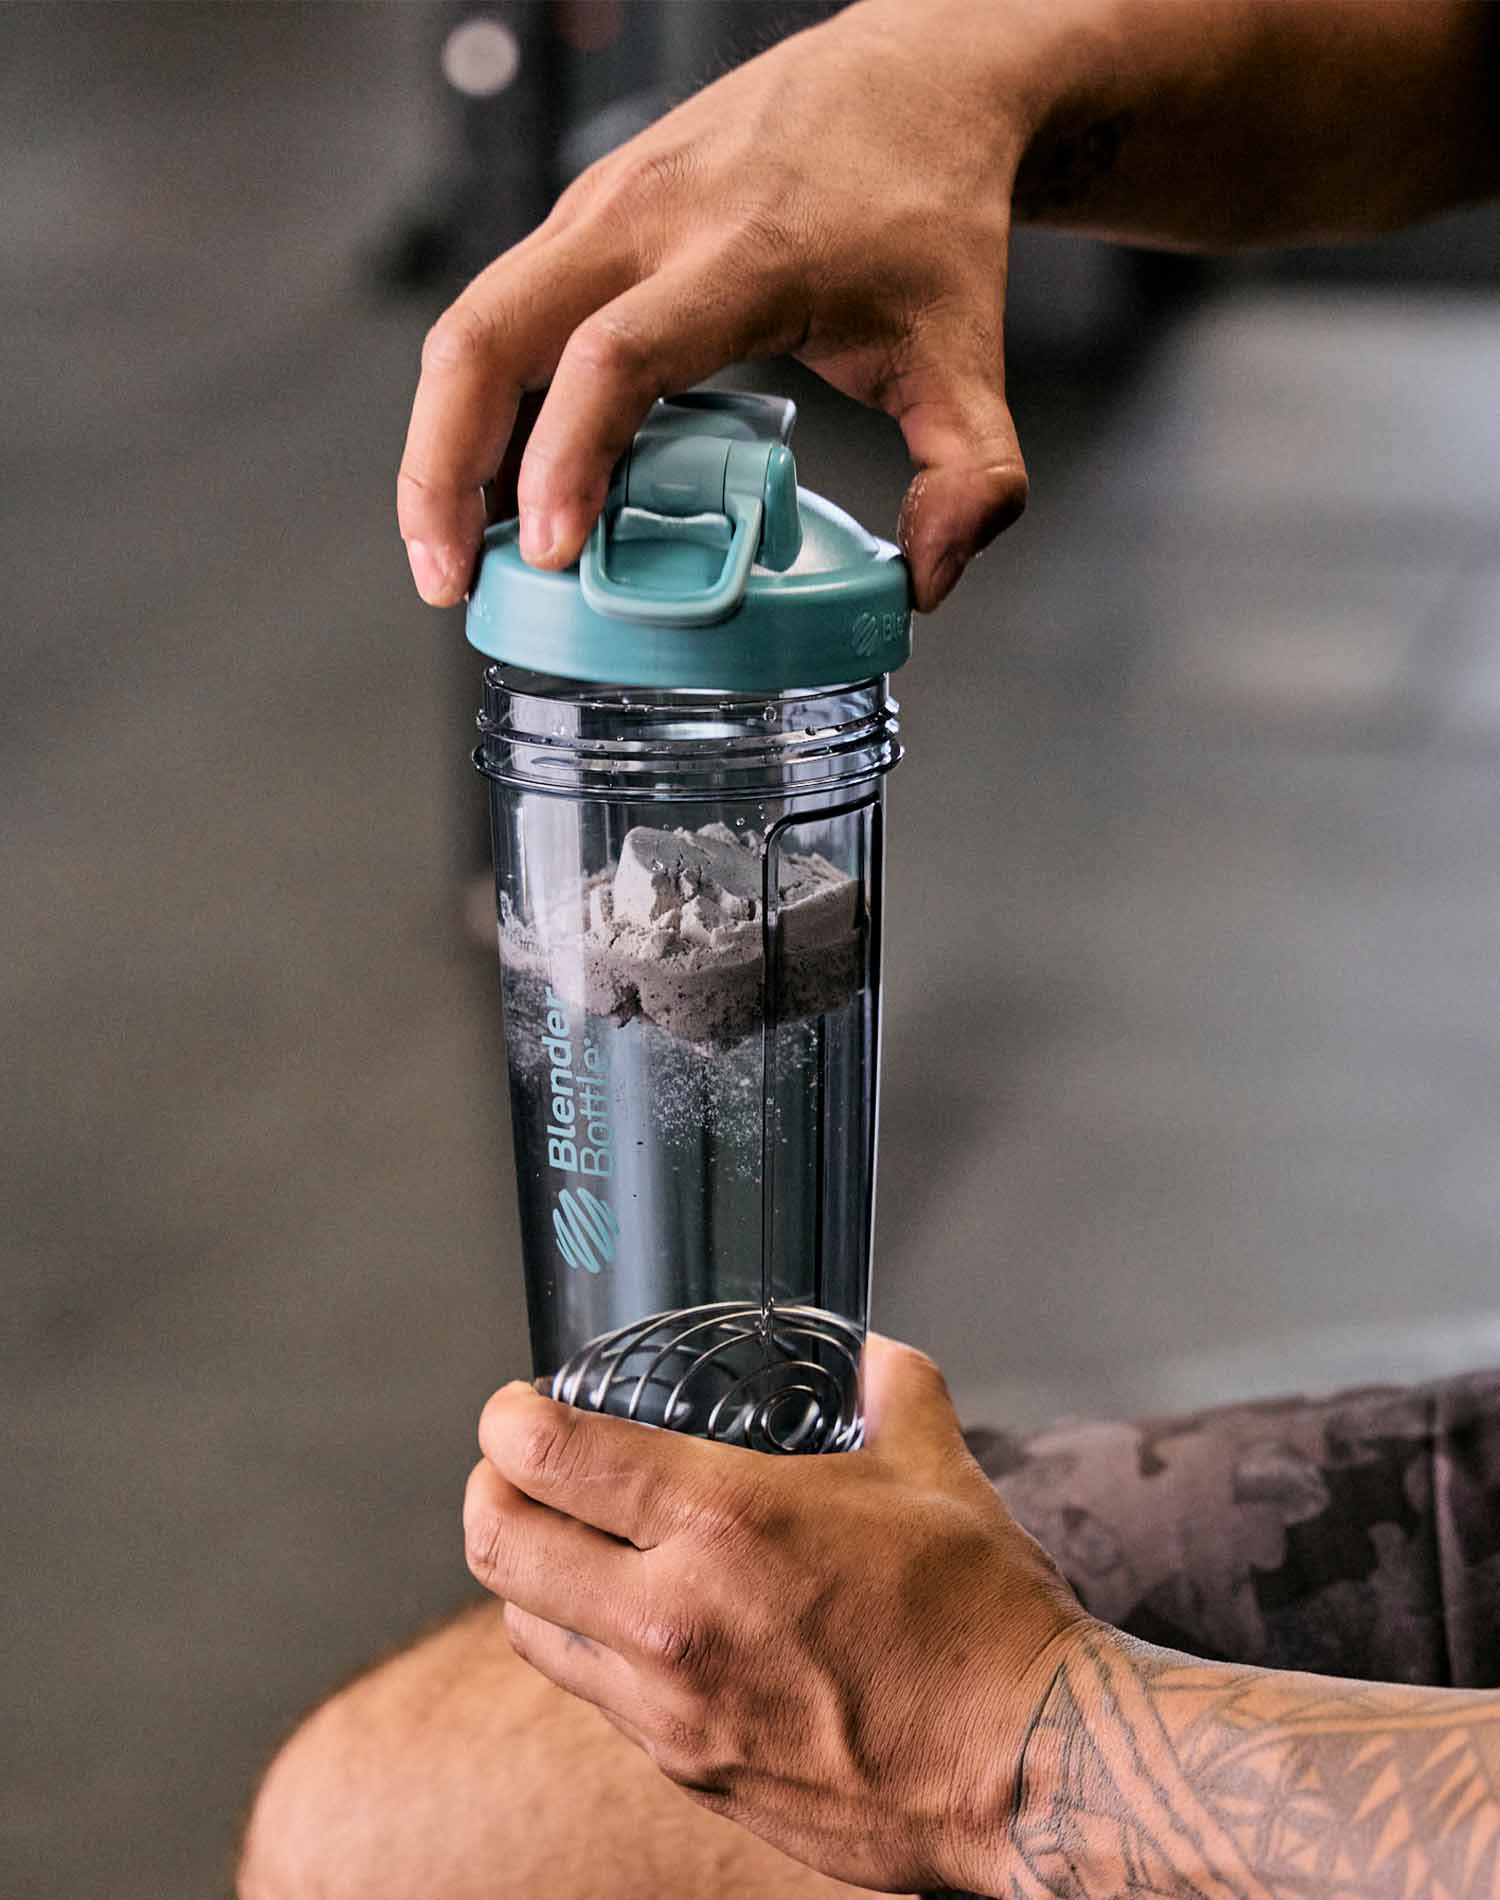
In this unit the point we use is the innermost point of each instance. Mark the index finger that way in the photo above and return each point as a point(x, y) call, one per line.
point(545, 1562)
point(504, 335)
point(630, 1479)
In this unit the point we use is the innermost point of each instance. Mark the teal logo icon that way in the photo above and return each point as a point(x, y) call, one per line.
point(586, 1228)
point(872, 630)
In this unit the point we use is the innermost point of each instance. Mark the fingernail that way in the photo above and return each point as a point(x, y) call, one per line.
point(428, 571)
point(538, 536)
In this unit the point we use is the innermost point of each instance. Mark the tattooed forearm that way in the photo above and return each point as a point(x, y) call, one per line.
point(1152, 1773)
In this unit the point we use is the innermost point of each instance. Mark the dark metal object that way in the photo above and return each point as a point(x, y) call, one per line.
point(777, 1379)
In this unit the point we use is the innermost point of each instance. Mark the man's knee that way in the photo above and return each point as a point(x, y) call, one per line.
point(357, 1790)
point(291, 1844)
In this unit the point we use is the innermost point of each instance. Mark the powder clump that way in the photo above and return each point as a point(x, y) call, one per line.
point(673, 931)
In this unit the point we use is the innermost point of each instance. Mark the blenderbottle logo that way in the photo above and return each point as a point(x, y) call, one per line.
point(586, 1228)
point(871, 630)
point(580, 1139)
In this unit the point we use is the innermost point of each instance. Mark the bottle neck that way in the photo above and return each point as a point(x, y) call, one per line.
point(583, 740)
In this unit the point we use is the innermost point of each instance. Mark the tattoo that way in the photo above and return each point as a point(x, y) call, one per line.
point(1057, 173)
point(1152, 1773)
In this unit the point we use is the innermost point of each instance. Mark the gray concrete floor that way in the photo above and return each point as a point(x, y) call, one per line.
point(1193, 1057)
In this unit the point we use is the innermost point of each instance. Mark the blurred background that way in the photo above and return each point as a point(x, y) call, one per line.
point(1192, 1075)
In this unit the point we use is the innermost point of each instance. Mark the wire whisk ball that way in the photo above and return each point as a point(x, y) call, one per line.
point(775, 1379)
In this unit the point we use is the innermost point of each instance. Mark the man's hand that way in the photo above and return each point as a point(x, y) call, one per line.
point(845, 198)
point(843, 1653)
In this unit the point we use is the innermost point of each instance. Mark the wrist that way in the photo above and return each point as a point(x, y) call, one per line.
point(1063, 83)
point(1101, 1801)
point(1006, 71)
point(1017, 1766)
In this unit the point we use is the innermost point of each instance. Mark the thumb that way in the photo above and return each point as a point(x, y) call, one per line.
point(907, 1407)
point(972, 481)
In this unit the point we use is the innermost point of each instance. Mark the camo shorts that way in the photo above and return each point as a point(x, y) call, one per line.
point(1354, 1536)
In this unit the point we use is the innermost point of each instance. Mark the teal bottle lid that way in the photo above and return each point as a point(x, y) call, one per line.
point(709, 568)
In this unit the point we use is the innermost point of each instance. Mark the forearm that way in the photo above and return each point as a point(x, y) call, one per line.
point(1216, 124)
point(1148, 1771)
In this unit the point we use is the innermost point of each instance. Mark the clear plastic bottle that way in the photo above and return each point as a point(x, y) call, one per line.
point(689, 890)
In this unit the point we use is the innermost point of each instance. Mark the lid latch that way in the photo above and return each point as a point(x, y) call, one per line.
point(711, 468)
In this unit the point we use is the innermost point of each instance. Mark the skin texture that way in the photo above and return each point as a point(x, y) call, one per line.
point(847, 198)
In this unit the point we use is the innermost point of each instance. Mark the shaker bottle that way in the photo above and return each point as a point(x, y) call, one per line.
point(686, 739)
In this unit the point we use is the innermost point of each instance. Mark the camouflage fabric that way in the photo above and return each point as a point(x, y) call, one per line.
point(1353, 1536)
point(1356, 1536)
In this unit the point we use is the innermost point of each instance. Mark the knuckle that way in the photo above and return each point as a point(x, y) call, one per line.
point(548, 1450)
point(681, 1770)
point(485, 1546)
point(611, 348)
point(538, 483)
point(643, 177)
point(735, 1512)
point(413, 485)
point(761, 234)
point(462, 336)
point(584, 191)
point(517, 1631)
point(419, 499)
point(679, 1749)
point(553, 475)
point(679, 1643)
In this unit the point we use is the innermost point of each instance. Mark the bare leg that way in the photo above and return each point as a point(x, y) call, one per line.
point(455, 1772)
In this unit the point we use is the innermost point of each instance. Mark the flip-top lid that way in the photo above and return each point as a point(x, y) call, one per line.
point(708, 568)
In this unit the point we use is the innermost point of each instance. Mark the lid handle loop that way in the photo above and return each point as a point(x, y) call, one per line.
point(716, 454)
